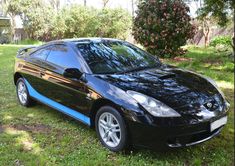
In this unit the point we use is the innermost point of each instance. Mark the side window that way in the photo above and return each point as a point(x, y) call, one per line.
point(41, 54)
point(62, 56)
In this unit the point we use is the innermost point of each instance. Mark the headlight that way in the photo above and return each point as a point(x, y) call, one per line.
point(153, 106)
point(215, 85)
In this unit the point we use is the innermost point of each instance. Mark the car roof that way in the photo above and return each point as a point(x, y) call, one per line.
point(78, 40)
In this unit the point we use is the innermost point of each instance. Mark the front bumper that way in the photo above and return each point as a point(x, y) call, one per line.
point(158, 137)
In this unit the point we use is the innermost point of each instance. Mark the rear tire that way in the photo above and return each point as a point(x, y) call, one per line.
point(111, 129)
point(23, 94)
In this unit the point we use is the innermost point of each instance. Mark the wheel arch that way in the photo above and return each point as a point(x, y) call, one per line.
point(97, 105)
point(17, 75)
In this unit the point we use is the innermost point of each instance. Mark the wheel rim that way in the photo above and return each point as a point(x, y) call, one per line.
point(109, 129)
point(22, 93)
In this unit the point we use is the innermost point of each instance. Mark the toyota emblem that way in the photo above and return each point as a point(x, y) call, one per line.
point(209, 105)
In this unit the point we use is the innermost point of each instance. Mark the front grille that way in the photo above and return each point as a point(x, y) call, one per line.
point(187, 140)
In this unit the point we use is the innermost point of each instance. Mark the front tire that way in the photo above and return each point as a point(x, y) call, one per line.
point(22, 93)
point(111, 129)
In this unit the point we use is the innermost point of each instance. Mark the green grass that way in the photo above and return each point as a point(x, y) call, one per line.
point(42, 136)
point(29, 42)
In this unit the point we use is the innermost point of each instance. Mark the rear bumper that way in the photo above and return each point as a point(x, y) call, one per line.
point(158, 137)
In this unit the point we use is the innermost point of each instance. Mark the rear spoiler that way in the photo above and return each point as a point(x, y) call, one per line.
point(25, 49)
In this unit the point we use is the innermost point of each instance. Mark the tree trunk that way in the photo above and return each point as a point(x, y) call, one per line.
point(13, 26)
point(105, 2)
point(233, 44)
point(206, 32)
point(207, 38)
point(132, 8)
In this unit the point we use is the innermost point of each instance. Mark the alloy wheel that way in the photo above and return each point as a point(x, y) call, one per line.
point(109, 129)
point(22, 92)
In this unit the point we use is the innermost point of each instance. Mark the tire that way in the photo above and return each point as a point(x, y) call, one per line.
point(23, 94)
point(113, 133)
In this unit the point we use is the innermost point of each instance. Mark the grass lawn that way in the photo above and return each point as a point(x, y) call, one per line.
point(42, 136)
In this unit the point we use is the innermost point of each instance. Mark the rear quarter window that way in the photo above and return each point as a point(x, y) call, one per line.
point(41, 54)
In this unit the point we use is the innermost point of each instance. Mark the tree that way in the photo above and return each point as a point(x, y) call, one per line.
point(105, 2)
point(206, 30)
point(42, 21)
point(218, 9)
point(114, 23)
point(37, 19)
point(55, 4)
point(79, 21)
point(204, 22)
point(221, 10)
point(35, 14)
point(162, 26)
point(132, 8)
point(205, 25)
point(37, 24)
point(12, 8)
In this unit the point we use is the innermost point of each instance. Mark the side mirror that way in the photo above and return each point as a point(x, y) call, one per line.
point(72, 73)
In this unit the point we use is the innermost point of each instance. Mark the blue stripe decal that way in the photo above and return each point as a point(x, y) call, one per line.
point(33, 93)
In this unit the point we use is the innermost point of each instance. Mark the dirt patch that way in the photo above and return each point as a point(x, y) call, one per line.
point(1, 129)
point(177, 59)
point(180, 59)
point(35, 128)
point(212, 61)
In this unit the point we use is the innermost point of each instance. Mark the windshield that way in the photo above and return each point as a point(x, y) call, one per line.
point(108, 57)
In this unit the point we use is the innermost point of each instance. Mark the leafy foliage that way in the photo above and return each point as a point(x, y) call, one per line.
point(12, 7)
point(73, 21)
point(42, 21)
point(4, 38)
point(162, 26)
point(221, 40)
point(37, 22)
point(79, 21)
point(114, 23)
point(220, 10)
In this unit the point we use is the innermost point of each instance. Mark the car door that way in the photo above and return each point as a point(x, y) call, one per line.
point(71, 93)
point(32, 67)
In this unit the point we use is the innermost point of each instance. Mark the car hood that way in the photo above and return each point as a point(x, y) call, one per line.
point(182, 90)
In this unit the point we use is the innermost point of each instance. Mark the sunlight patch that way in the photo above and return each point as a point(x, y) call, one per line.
point(24, 139)
point(12, 131)
point(27, 142)
point(225, 85)
point(30, 115)
point(7, 117)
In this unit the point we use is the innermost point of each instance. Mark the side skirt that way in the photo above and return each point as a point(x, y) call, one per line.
point(66, 110)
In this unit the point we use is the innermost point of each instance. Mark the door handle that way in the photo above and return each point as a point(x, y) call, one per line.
point(42, 73)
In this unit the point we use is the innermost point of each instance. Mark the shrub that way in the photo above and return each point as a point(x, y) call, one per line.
point(37, 19)
point(74, 21)
point(114, 23)
point(221, 40)
point(4, 38)
point(162, 26)
point(79, 21)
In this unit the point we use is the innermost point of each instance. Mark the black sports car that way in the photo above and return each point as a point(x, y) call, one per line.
point(125, 93)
